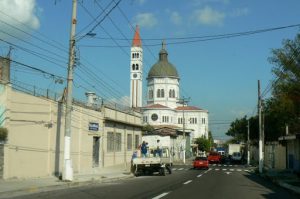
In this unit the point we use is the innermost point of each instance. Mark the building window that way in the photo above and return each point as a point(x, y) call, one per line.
point(180, 120)
point(193, 120)
point(136, 141)
point(137, 55)
point(136, 67)
point(165, 119)
point(145, 119)
point(203, 120)
point(129, 141)
point(110, 141)
point(150, 94)
point(133, 67)
point(160, 93)
point(171, 93)
point(113, 141)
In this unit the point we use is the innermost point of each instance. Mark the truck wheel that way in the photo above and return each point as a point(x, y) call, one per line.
point(162, 172)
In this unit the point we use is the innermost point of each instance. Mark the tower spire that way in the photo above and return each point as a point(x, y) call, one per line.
point(137, 39)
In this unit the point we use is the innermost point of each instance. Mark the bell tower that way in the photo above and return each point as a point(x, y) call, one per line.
point(136, 70)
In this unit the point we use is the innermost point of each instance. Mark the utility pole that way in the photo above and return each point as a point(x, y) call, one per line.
point(68, 169)
point(183, 101)
point(261, 162)
point(248, 143)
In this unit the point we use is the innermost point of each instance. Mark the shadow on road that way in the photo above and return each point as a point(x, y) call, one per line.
point(277, 192)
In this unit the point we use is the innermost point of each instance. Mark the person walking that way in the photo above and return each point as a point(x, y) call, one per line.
point(158, 148)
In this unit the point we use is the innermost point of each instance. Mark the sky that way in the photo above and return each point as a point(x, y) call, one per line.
point(219, 75)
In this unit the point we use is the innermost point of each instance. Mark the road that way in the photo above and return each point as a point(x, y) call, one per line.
point(220, 181)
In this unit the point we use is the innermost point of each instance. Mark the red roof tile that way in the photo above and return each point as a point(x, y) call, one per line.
point(156, 106)
point(137, 39)
point(188, 108)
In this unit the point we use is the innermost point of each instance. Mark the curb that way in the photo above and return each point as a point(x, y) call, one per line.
point(290, 187)
point(65, 185)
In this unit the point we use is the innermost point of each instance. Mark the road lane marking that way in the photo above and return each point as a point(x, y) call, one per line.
point(217, 169)
point(246, 170)
point(228, 173)
point(161, 195)
point(239, 169)
point(198, 176)
point(180, 169)
point(174, 169)
point(187, 182)
point(224, 169)
point(231, 169)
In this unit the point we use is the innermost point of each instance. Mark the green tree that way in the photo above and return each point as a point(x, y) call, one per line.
point(204, 144)
point(284, 105)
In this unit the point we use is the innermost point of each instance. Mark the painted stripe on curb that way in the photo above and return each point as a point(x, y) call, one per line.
point(161, 195)
point(187, 182)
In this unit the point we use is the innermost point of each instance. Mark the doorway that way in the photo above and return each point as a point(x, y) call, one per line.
point(96, 147)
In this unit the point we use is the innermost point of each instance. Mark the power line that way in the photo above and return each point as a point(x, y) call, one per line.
point(196, 39)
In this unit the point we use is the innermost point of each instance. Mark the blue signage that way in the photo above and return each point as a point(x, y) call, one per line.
point(93, 126)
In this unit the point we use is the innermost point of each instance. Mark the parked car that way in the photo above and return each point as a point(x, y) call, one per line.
point(236, 157)
point(214, 157)
point(200, 163)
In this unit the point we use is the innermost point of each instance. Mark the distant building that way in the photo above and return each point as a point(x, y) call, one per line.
point(163, 94)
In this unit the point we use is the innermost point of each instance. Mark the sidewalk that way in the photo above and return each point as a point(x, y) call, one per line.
point(17, 187)
point(285, 179)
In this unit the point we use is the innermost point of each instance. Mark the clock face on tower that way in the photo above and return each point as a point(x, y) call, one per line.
point(134, 75)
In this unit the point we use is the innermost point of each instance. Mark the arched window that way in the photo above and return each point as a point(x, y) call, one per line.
point(173, 93)
point(136, 67)
point(158, 93)
point(137, 55)
point(170, 93)
point(133, 66)
point(150, 94)
point(162, 93)
point(132, 55)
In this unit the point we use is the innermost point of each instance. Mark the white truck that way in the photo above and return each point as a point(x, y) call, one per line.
point(233, 148)
point(153, 162)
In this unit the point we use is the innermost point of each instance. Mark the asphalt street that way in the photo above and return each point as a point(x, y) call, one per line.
point(220, 181)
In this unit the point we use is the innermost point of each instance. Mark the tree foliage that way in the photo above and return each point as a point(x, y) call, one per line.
point(283, 107)
point(204, 144)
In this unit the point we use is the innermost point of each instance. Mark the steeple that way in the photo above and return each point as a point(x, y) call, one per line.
point(163, 54)
point(137, 39)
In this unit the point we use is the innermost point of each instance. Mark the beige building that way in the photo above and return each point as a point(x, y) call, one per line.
point(100, 136)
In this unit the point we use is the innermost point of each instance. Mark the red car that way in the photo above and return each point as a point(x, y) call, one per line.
point(200, 162)
point(214, 157)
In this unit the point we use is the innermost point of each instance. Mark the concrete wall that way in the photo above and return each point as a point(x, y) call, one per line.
point(275, 156)
point(35, 142)
point(1, 160)
point(293, 153)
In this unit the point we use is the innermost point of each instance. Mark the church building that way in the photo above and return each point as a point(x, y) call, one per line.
point(164, 107)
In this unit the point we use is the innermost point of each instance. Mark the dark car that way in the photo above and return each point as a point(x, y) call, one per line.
point(200, 163)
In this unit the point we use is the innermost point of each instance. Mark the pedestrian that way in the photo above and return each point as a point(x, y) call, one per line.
point(158, 148)
point(144, 149)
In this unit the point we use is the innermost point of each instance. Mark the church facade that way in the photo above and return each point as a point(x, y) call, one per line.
point(164, 106)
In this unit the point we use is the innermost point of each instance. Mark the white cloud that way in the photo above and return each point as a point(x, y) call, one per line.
point(208, 16)
point(23, 11)
point(146, 20)
point(176, 18)
point(239, 12)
